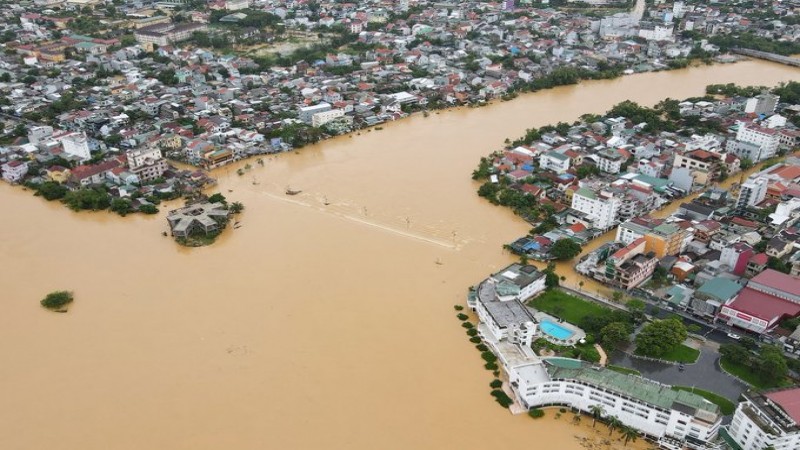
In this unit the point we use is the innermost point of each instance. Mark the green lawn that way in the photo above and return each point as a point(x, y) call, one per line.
point(624, 370)
point(682, 354)
point(726, 406)
point(749, 375)
point(565, 306)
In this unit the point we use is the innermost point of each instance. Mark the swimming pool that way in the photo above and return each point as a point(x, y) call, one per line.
point(555, 330)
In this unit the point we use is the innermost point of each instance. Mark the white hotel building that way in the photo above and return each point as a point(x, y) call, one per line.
point(767, 419)
point(499, 307)
point(675, 419)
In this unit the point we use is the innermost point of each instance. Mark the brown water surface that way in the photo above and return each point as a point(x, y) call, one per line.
point(310, 326)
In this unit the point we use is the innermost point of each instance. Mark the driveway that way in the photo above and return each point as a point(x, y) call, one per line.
point(704, 374)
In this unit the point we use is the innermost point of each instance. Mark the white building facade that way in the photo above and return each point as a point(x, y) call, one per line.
point(767, 139)
point(602, 207)
point(768, 419)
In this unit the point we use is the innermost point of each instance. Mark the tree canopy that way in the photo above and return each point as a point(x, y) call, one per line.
point(660, 337)
point(565, 249)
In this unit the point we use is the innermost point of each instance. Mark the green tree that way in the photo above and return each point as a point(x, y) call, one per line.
point(636, 308)
point(613, 423)
point(87, 198)
point(565, 249)
point(597, 413)
point(217, 198)
point(551, 278)
point(51, 190)
point(20, 130)
point(148, 209)
point(121, 206)
point(236, 208)
point(629, 434)
point(771, 364)
point(615, 334)
point(660, 337)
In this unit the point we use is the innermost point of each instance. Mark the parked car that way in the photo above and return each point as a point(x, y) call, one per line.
point(734, 336)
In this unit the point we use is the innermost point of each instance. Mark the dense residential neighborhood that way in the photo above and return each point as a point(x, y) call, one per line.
point(106, 98)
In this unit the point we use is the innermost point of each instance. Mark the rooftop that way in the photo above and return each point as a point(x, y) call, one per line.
point(720, 288)
point(634, 386)
point(779, 281)
point(763, 306)
point(788, 400)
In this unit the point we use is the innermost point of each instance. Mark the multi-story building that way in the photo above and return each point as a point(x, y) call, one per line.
point(167, 33)
point(554, 161)
point(305, 114)
point(767, 139)
point(654, 409)
point(660, 237)
point(76, 144)
point(761, 104)
point(630, 266)
point(752, 192)
point(499, 306)
point(321, 118)
point(235, 5)
point(609, 160)
point(653, 31)
point(147, 163)
point(14, 171)
point(736, 257)
point(601, 207)
point(705, 166)
point(767, 420)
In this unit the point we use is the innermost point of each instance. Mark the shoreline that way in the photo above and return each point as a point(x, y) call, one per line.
point(182, 165)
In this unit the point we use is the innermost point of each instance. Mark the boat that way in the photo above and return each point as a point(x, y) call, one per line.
point(290, 191)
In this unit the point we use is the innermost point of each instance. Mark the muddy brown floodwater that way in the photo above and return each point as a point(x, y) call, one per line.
point(310, 326)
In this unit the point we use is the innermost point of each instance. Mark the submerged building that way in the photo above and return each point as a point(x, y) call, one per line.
point(202, 218)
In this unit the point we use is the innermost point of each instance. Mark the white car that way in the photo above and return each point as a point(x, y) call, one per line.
point(734, 336)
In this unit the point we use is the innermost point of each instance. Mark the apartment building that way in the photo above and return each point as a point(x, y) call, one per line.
point(660, 237)
point(601, 208)
point(768, 419)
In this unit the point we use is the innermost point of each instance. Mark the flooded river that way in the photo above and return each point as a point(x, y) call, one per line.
point(310, 326)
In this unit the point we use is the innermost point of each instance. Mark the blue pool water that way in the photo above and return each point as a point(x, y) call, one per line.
point(555, 330)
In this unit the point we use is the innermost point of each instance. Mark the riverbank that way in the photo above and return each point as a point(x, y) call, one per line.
point(311, 316)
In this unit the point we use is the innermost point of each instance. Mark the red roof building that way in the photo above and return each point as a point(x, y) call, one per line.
point(770, 297)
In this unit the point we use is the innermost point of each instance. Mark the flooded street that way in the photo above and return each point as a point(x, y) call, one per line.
point(310, 326)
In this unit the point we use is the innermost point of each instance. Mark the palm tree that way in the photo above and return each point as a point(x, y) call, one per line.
point(629, 433)
point(597, 412)
point(613, 424)
point(576, 419)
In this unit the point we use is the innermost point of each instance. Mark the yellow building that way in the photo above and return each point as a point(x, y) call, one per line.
point(660, 237)
point(58, 174)
point(171, 141)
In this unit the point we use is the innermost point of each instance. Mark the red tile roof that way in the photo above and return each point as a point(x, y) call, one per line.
point(789, 400)
point(787, 172)
point(763, 306)
point(778, 280)
point(759, 259)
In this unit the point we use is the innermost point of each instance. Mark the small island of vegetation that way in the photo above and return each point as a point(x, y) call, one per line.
point(57, 301)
